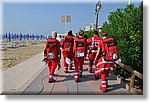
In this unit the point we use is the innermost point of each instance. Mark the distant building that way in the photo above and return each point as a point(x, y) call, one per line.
point(89, 27)
point(99, 28)
point(92, 26)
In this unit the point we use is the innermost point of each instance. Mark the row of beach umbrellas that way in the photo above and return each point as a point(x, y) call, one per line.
point(21, 36)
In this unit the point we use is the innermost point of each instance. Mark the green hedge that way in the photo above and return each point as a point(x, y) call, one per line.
point(126, 26)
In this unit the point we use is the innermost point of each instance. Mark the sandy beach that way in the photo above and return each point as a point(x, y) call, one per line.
point(13, 56)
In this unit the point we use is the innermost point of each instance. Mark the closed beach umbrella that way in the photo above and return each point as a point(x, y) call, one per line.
point(20, 36)
point(6, 35)
point(15, 36)
point(9, 37)
point(41, 36)
point(27, 36)
point(32, 36)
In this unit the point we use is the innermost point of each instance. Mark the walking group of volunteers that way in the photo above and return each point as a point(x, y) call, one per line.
point(103, 51)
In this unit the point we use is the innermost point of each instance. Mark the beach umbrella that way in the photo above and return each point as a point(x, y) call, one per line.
point(20, 36)
point(12, 36)
point(27, 36)
point(36, 37)
point(45, 36)
point(6, 35)
point(9, 37)
point(41, 36)
point(32, 37)
point(17, 36)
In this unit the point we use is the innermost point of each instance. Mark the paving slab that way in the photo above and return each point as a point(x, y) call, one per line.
point(59, 86)
point(83, 87)
point(37, 85)
point(71, 84)
point(47, 87)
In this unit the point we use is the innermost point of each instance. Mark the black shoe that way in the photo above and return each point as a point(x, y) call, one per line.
point(80, 75)
point(76, 81)
point(51, 81)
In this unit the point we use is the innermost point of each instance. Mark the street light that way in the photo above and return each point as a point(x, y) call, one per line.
point(97, 10)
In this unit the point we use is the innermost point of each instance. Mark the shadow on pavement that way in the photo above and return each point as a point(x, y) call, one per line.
point(114, 87)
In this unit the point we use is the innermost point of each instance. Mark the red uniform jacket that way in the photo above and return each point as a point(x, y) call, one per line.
point(85, 42)
point(68, 36)
point(103, 65)
point(96, 40)
point(58, 46)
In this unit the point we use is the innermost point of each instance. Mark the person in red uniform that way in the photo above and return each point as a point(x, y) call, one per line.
point(103, 66)
point(86, 37)
point(67, 47)
point(80, 47)
point(93, 42)
point(52, 55)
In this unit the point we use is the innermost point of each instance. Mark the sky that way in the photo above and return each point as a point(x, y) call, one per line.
point(45, 17)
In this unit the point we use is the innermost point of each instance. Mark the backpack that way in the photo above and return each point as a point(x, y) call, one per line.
point(79, 47)
point(110, 49)
point(51, 49)
point(68, 45)
point(95, 43)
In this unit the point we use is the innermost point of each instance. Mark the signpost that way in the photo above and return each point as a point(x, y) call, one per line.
point(66, 19)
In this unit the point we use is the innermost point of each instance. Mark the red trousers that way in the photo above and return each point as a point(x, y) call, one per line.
point(91, 59)
point(103, 68)
point(52, 64)
point(78, 62)
point(104, 78)
point(66, 66)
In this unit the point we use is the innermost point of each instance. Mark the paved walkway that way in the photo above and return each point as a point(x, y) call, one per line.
point(35, 81)
point(65, 84)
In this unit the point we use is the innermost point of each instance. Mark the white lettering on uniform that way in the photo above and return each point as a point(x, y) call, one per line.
point(103, 85)
point(76, 76)
point(103, 82)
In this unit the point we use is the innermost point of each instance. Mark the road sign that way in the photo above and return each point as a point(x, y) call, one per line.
point(66, 18)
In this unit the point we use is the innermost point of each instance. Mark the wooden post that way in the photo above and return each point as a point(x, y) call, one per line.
point(134, 73)
point(132, 82)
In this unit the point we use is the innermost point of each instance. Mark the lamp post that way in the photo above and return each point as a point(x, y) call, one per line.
point(96, 11)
